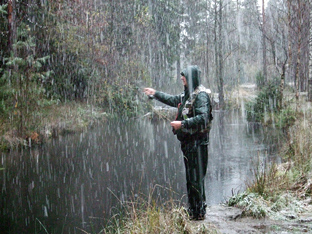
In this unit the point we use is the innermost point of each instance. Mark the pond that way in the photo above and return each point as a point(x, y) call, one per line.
point(77, 182)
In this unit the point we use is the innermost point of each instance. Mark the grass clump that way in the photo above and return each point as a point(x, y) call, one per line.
point(145, 215)
point(155, 219)
point(251, 203)
point(285, 206)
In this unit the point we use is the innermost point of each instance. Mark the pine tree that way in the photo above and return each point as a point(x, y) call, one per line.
point(22, 81)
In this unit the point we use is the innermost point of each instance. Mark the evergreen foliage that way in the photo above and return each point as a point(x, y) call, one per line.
point(263, 108)
point(21, 82)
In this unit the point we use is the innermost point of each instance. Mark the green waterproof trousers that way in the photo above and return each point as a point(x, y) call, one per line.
point(196, 161)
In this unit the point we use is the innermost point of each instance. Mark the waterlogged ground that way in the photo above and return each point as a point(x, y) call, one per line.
point(230, 220)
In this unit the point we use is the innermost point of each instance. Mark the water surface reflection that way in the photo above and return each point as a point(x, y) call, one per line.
point(80, 179)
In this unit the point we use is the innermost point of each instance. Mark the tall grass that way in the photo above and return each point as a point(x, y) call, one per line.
point(143, 215)
point(298, 153)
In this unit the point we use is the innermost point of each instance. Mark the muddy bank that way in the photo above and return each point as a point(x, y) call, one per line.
point(51, 121)
point(230, 220)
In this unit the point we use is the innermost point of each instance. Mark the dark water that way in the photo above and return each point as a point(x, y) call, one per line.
point(79, 181)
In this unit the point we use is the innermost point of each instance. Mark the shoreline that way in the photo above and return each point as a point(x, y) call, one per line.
point(55, 120)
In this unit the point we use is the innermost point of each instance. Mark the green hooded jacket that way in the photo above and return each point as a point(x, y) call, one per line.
point(196, 121)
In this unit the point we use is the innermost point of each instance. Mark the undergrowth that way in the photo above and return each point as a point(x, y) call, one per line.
point(282, 191)
point(265, 105)
point(51, 121)
point(144, 215)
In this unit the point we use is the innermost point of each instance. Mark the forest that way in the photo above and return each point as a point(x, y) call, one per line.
point(64, 59)
point(103, 52)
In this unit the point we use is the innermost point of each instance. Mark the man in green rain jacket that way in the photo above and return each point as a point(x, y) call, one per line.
point(192, 126)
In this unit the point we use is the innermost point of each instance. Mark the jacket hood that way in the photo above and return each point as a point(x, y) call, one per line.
point(192, 75)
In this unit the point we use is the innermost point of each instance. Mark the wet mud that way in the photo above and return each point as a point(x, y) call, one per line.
point(230, 220)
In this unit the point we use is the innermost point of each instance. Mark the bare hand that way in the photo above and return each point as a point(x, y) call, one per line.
point(176, 124)
point(149, 91)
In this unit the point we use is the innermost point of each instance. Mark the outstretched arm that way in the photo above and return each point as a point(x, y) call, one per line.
point(171, 100)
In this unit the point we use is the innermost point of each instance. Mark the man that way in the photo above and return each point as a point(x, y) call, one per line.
point(192, 126)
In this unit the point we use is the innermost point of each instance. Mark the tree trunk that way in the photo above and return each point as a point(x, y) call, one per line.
point(12, 50)
point(298, 63)
point(280, 104)
point(207, 60)
point(290, 32)
point(220, 50)
point(216, 43)
point(178, 70)
point(207, 67)
point(310, 56)
point(239, 51)
point(11, 25)
point(264, 45)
